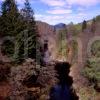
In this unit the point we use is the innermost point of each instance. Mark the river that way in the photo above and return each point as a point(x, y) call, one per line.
point(63, 89)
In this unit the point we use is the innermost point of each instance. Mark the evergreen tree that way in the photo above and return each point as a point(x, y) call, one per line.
point(30, 26)
point(93, 26)
point(10, 25)
point(10, 22)
point(9, 6)
point(84, 25)
point(22, 27)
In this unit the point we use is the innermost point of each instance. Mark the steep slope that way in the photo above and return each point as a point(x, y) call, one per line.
point(47, 33)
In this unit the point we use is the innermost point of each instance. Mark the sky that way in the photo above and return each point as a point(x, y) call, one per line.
point(63, 11)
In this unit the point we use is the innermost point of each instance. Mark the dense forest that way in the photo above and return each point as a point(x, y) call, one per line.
point(26, 70)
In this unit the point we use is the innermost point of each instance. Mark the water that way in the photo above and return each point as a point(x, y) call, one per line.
point(63, 90)
point(60, 93)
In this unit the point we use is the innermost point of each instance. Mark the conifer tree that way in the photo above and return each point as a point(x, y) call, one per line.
point(22, 27)
point(10, 23)
point(30, 26)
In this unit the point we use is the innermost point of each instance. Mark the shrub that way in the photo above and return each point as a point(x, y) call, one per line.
point(95, 49)
point(29, 76)
point(18, 75)
point(92, 72)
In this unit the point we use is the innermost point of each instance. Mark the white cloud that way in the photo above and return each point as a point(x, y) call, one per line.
point(66, 18)
point(54, 2)
point(51, 19)
point(54, 19)
point(59, 11)
point(62, 3)
point(48, 17)
point(83, 2)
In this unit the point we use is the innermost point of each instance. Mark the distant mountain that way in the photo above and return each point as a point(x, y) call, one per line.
point(60, 26)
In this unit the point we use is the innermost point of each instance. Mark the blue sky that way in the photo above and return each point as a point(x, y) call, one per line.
point(63, 11)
